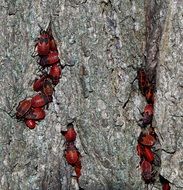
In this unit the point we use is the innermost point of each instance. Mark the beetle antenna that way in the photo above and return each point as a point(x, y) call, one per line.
point(41, 28)
point(8, 113)
point(49, 30)
point(133, 80)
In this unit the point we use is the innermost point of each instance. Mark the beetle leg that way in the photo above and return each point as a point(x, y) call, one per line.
point(8, 113)
point(168, 152)
point(66, 65)
point(133, 80)
point(34, 54)
point(49, 30)
point(141, 113)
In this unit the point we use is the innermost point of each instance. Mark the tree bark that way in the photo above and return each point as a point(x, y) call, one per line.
point(106, 41)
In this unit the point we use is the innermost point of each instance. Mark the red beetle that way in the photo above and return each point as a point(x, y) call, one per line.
point(38, 83)
point(166, 186)
point(45, 85)
point(148, 154)
point(31, 124)
point(165, 183)
point(70, 134)
point(23, 107)
point(147, 171)
point(55, 74)
point(148, 109)
point(142, 80)
point(50, 59)
point(146, 139)
point(147, 116)
point(42, 44)
point(145, 152)
point(40, 100)
point(48, 88)
point(35, 114)
point(72, 154)
point(77, 169)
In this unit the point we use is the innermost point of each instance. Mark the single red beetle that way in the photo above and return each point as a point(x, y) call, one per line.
point(166, 186)
point(42, 44)
point(70, 134)
point(72, 154)
point(23, 107)
point(147, 172)
point(38, 83)
point(50, 59)
point(77, 169)
point(48, 88)
point(35, 114)
point(148, 109)
point(147, 116)
point(40, 100)
point(146, 139)
point(55, 74)
point(165, 183)
point(31, 124)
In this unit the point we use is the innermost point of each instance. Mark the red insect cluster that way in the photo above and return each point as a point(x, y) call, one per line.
point(72, 154)
point(148, 139)
point(32, 110)
point(146, 87)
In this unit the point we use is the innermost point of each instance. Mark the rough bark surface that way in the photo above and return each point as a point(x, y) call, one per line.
point(106, 40)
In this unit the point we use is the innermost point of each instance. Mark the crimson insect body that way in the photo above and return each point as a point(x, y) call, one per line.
point(23, 107)
point(166, 186)
point(40, 100)
point(50, 59)
point(77, 169)
point(146, 168)
point(43, 45)
point(165, 183)
point(147, 116)
point(31, 124)
point(148, 154)
point(35, 114)
point(72, 154)
point(38, 83)
point(148, 109)
point(55, 74)
point(70, 134)
point(48, 88)
point(147, 140)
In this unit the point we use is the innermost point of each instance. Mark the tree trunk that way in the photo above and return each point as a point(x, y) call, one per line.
point(106, 41)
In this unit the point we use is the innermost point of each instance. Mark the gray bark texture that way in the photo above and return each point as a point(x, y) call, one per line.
point(106, 40)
